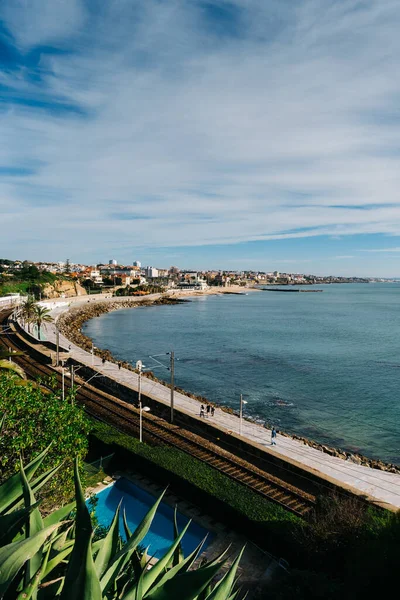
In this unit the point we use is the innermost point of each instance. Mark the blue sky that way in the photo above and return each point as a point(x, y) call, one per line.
point(246, 134)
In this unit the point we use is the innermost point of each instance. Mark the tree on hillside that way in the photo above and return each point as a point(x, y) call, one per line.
point(28, 272)
point(35, 418)
point(67, 268)
point(88, 284)
point(41, 316)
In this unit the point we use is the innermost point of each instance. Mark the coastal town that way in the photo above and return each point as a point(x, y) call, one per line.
point(137, 279)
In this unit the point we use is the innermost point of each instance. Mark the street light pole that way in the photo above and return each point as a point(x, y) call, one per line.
point(63, 383)
point(140, 388)
point(172, 367)
point(92, 355)
point(241, 413)
point(141, 409)
point(57, 346)
point(172, 370)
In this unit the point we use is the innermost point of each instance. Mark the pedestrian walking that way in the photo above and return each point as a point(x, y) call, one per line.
point(273, 437)
point(212, 411)
point(103, 360)
point(202, 413)
point(119, 365)
point(208, 410)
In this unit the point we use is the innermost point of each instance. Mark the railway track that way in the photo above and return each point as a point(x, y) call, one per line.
point(125, 417)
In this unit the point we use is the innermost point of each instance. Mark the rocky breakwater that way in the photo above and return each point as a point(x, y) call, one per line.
point(70, 323)
point(354, 457)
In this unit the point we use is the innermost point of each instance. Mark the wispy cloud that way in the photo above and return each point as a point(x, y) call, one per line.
point(185, 123)
point(396, 249)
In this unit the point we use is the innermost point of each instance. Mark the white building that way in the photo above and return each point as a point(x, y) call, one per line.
point(151, 272)
point(137, 263)
point(194, 283)
point(112, 262)
point(95, 276)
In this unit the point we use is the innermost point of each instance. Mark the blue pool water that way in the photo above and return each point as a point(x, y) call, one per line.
point(136, 503)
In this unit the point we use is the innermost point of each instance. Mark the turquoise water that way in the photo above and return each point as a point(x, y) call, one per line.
point(325, 365)
point(137, 503)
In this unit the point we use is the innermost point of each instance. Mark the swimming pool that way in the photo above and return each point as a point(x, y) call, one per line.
point(136, 503)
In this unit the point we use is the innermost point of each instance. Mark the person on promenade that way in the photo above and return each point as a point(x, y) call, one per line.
point(202, 413)
point(119, 365)
point(103, 360)
point(273, 437)
point(208, 410)
point(212, 411)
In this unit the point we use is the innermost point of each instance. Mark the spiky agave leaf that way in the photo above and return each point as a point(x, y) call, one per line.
point(151, 576)
point(224, 588)
point(109, 547)
point(178, 554)
point(37, 484)
point(33, 524)
point(60, 514)
point(11, 524)
point(30, 590)
point(123, 556)
point(81, 579)
point(13, 556)
point(11, 489)
point(182, 567)
point(185, 586)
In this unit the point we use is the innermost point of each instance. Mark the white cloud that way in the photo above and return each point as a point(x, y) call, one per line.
point(396, 249)
point(287, 131)
point(39, 22)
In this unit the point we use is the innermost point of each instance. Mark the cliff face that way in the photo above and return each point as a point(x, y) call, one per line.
point(62, 288)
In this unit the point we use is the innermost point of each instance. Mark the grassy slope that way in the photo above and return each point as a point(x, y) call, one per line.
point(218, 485)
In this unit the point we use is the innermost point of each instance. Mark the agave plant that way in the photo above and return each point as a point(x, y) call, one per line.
point(55, 557)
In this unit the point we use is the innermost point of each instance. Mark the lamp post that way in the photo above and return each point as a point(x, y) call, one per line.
point(171, 369)
point(141, 409)
point(72, 372)
point(57, 346)
point(241, 413)
point(63, 384)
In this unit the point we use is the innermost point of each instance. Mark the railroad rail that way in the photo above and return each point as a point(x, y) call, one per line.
point(125, 417)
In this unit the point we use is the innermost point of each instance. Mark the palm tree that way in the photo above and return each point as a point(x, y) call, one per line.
point(41, 315)
point(7, 366)
point(28, 311)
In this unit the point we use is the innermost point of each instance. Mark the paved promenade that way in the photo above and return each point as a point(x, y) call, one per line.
point(380, 485)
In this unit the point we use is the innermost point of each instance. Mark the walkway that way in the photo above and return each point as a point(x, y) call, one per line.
point(380, 485)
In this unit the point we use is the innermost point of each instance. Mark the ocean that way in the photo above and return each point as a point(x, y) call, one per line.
point(322, 365)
